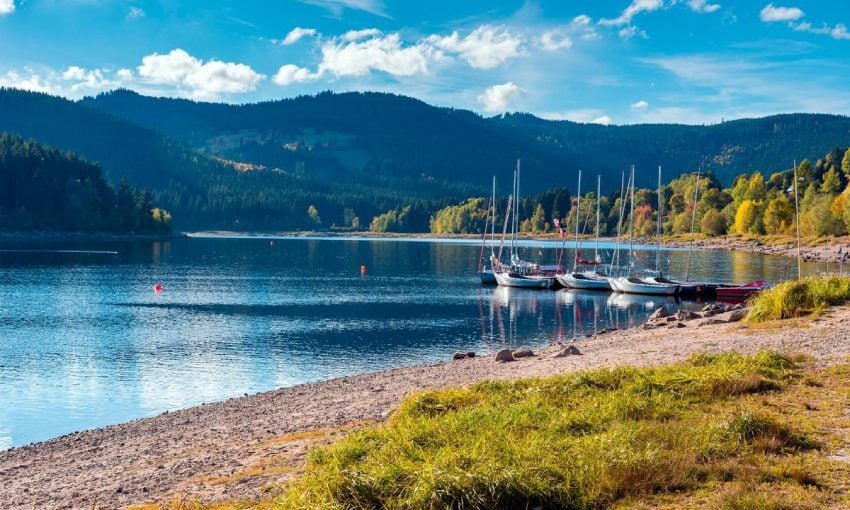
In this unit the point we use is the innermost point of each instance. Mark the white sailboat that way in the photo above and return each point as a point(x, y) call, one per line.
point(631, 284)
point(520, 273)
point(592, 279)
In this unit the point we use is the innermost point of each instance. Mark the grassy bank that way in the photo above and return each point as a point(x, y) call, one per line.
point(724, 431)
point(798, 298)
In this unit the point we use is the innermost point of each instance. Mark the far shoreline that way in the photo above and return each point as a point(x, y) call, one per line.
point(832, 249)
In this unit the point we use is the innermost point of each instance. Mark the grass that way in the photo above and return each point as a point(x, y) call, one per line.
point(798, 298)
point(588, 440)
point(725, 431)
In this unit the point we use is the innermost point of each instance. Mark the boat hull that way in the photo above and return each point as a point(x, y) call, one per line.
point(524, 282)
point(571, 281)
point(635, 286)
point(488, 277)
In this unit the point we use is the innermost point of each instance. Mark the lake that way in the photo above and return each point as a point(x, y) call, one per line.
point(86, 342)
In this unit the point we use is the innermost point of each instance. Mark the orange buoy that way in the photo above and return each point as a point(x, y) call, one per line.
point(158, 288)
point(362, 270)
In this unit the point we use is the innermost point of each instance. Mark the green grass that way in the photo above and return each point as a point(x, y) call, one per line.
point(799, 297)
point(586, 440)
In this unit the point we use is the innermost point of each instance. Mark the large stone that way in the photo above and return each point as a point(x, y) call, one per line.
point(570, 350)
point(659, 314)
point(460, 355)
point(686, 315)
point(505, 355)
point(523, 352)
point(737, 315)
point(470, 354)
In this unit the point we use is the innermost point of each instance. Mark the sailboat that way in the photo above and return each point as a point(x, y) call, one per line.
point(631, 284)
point(520, 273)
point(591, 279)
point(487, 276)
point(686, 288)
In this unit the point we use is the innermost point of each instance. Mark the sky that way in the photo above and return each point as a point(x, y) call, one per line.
point(602, 61)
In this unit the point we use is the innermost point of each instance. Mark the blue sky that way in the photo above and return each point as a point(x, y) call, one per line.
point(610, 61)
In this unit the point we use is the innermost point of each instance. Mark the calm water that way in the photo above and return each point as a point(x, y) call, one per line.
point(86, 342)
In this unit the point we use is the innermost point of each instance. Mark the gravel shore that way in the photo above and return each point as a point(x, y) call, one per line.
point(837, 252)
point(190, 453)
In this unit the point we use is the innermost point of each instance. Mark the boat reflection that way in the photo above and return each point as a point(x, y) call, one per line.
point(510, 316)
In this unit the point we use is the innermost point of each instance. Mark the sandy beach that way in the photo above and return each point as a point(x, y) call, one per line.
point(235, 448)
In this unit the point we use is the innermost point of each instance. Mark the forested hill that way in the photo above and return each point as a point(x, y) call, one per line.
point(728, 149)
point(41, 187)
point(206, 192)
point(399, 137)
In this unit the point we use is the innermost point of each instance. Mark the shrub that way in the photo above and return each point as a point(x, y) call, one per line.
point(799, 297)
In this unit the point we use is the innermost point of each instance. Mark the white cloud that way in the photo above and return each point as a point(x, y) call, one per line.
point(296, 34)
point(289, 73)
point(640, 105)
point(342, 57)
point(583, 26)
point(485, 48)
point(201, 80)
point(702, 6)
point(604, 120)
point(73, 82)
point(356, 35)
point(360, 52)
point(553, 40)
point(7, 7)
point(770, 13)
point(838, 32)
point(336, 7)
point(635, 8)
point(631, 31)
point(135, 13)
point(497, 99)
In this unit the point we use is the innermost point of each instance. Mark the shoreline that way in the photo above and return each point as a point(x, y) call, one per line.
point(62, 235)
point(195, 451)
point(833, 250)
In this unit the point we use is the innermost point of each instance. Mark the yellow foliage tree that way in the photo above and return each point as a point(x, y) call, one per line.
point(745, 217)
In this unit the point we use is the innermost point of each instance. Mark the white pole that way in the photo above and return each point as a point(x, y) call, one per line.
point(598, 196)
point(658, 226)
point(578, 210)
point(797, 210)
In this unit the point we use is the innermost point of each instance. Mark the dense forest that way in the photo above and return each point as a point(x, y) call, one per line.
point(42, 187)
point(358, 161)
point(754, 204)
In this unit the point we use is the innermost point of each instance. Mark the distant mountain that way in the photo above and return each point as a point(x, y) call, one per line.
point(203, 190)
point(728, 149)
point(357, 155)
point(399, 137)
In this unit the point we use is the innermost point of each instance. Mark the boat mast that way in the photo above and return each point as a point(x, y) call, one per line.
point(493, 223)
point(632, 222)
point(578, 212)
point(620, 219)
point(797, 211)
point(658, 226)
point(481, 265)
point(516, 213)
point(598, 196)
point(505, 228)
point(693, 224)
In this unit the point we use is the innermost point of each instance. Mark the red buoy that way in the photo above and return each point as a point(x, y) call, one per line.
point(362, 270)
point(158, 288)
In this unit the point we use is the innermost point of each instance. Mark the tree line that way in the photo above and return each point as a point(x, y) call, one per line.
point(42, 187)
point(694, 201)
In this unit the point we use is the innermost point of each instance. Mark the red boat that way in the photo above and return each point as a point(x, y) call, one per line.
point(741, 292)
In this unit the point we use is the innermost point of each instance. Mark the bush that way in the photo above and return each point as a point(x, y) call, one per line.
point(799, 297)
